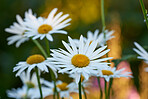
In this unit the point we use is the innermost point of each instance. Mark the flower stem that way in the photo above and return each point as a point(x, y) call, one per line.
point(106, 97)
point(109, 88)
point(39, 84)
point(47, 46)
point(99, 84)
point(80, 94)
point(55, 88)
point(103, 17)
point(144, 12)
point(84, 92)
point(103, 23)
point(40, 47)
point(62, 97)
point(51, 72)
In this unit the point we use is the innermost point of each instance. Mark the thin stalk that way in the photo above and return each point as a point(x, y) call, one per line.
point(51, 72)
point(144, 12)
point(58, 95)
point(103, 17)
point(110, 84)
point(80, 93)
point(39, 84)
point(84, 92)
point(104, 26)
point(101, 92)
point(47, 46)
point(55, 88)
point(62, 97)
point(106, 97)
point(40, 47)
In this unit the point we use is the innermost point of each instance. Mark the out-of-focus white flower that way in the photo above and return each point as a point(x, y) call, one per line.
point(142, 52)
point(25, 93)
point(41, 27)
point(18, 29)
point(109, 72)
point(83, 60)
point(32, 62)
point(19, 93)
point(97, 37)
point(30, 81)
point(35, 93)
point(63, 88)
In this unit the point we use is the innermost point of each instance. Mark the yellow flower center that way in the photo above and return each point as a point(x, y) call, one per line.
point(62, 86)
point(30, 85)
point(107, 72)
point(44, 29)
point(35, 59)
point(80, 60)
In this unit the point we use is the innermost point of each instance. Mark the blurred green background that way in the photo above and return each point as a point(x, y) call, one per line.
point(124, 15)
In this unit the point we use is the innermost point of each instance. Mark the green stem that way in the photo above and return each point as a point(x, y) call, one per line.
point(55, 88)
point(57, 94)
point(51, 72)
point(101, 92)
point(105, 89)
point(84, 92)
point(40, 47)
point(47, 46)
point(80, 94)
point(110, 84)
point(62, 97)
point(39, 84)
point(103, 16)
point(144, 12)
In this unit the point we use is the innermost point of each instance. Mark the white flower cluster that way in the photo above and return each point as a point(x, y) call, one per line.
point(81, 58)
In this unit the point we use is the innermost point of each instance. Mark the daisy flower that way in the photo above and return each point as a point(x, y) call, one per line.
point(18, 29)
point(82, 60)
point(41, 27)
point(109, 72)
point(24, 93)
point(142, 52)
point(32, 62)
point(30, 81)
point(63, 88)
point(20, 93)
point(35, 93)
point(97, 37)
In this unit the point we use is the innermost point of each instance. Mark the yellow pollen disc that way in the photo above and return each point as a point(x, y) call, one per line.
point(107, 72)
point(30, 85)
point(62, 86)
point(44, 29)
point(35, 59)
point(80, 60)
